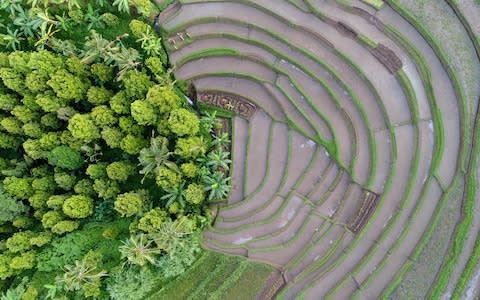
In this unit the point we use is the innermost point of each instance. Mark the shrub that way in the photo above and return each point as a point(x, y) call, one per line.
point(195, 193)
point(65, 157)
point(143, 112)
point(120, 170)
point(65, 226)
point(78, 206)
point(164, 98)
point(67, 86)
point(183, 122)
point(83, 127)
point(131, 203)
point(20, 241)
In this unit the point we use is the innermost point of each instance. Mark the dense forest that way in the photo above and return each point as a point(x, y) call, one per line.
point(108, 171)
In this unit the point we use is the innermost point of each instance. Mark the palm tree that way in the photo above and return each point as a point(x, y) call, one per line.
point(170, 236)
point(93, 18)
point(155, 156)
point(209, 121)
point(138, 250)
point(175, 195)
point(25, 23)
point(80, 273)
point(122, 6)
point(221, 140)
point(11, 40)
point(218, 159)
point(11, 6)
point(126, 59)
point(217, 185)
point(45, 36)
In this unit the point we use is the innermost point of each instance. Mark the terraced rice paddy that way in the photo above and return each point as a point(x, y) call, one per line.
point(351, 130)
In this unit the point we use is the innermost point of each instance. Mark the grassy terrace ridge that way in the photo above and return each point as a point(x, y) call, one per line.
point(410, 92)
point(453, 252)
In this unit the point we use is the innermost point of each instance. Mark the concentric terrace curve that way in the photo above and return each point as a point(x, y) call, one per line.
point(340, 159)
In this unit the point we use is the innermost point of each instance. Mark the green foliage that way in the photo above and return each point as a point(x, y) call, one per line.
point(8, 102)
point(106, 189)
point(83, 127)
point(218, 186)
point(152, 220)
point(64, 180)
point(5, 270)
point(167, 178)
point(155, 156)
point(65, 226)
point(97, 171)
point(191, 147)
point(133, 144)
point(120, 170)
point(131, 283)
point(18, 187)
point(20, 241)
point(24, 261)
point(131, 203)
point(67, 86)
point(112, 136)
point(12, 80)
point(103, 72)
point(98, 95)
point(139, 250)
point(185, 255)
point(189, 169)
point(51, 218)
point(84, 276)
point(139, 28)
point(78, 206)
point(194, 193)
point(65, 157)
point(164, 98)
point(10, 208)
point(120, 103)
point(12, 125)
point(103, 116)
point(136, 84)
point(183, 122)
point(143, 112)
point(16, 293)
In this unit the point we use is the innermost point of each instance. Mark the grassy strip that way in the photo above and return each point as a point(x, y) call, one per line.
point(443, 276)
point(222, 113)
point(475, 256)
point(402, 77)
point(267, 220)
point(426, 76)
point(296, 260)
point(207, 53)
point(377, 4)
point(366, 41)
point(330, 189)
point(180, 287)
point(277, 247)
point(315, 266)
point(213, 283)
point(249, 285)
point(267, 162)
point(227, 281)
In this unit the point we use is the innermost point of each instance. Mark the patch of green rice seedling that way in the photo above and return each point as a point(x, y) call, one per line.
point(366, 41)
point(377, 4)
